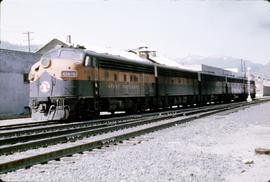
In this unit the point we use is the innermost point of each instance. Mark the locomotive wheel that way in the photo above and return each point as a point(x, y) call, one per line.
point(66, 113)
point(133, 109)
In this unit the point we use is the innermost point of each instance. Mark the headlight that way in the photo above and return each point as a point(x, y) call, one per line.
point(45, 62)
point(69, 74)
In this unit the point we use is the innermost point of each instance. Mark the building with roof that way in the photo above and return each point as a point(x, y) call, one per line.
point(14, 70)
point(262, 85)
point(51, 45)
point(14, 90)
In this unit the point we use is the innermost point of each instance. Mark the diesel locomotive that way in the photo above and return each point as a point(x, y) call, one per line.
point(78, 83)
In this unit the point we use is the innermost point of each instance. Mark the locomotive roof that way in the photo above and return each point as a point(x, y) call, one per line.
point(160, 62)
point(125, 57)
point(118, 55)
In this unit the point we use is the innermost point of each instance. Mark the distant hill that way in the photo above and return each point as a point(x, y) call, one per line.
point(222, 62)
point(265, 70)
point(17, 47)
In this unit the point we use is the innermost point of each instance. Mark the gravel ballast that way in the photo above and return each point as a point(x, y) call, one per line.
point(216, 148)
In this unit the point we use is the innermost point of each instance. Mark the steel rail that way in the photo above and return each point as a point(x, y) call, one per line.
point(62, 126)
point(44, 123)
point(26, 125)
point(32, 137)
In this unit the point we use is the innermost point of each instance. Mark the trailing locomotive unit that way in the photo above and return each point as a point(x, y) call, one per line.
point(73, 82)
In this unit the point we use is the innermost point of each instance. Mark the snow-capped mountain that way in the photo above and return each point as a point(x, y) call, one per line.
point(222, 62)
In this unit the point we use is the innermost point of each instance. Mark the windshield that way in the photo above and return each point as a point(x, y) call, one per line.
point(71, 54)
point(65, 54)
point(51, 54)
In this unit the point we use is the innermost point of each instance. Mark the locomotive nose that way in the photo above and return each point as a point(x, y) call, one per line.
point(45, 85)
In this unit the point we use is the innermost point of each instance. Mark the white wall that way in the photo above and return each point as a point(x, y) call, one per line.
point(14, 93)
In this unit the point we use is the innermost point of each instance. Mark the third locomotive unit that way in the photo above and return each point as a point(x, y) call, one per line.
point(75, 83)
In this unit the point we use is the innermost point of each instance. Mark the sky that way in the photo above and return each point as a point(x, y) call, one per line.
point(175, 28)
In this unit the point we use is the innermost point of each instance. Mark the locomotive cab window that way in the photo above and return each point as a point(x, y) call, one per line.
point(90, 62)
point(51, 54)
point(87, 61)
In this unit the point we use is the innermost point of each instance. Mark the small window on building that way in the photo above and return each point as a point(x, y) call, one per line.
point(25, 78)
point(131, 78)
point(142, 53)
point(125, 78)
point(115, 77)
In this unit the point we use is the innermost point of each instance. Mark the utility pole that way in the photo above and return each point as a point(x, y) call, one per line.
point(28, 39)
point(245, 68)
point(0, 21)
point(249, 99)
point(69, 39)
point(242, 71)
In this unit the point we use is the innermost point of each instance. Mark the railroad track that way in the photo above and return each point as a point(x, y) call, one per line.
point(139, 126)
point(26, 125)
point(50, 135)
point(47, 123)
point(40, 130)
